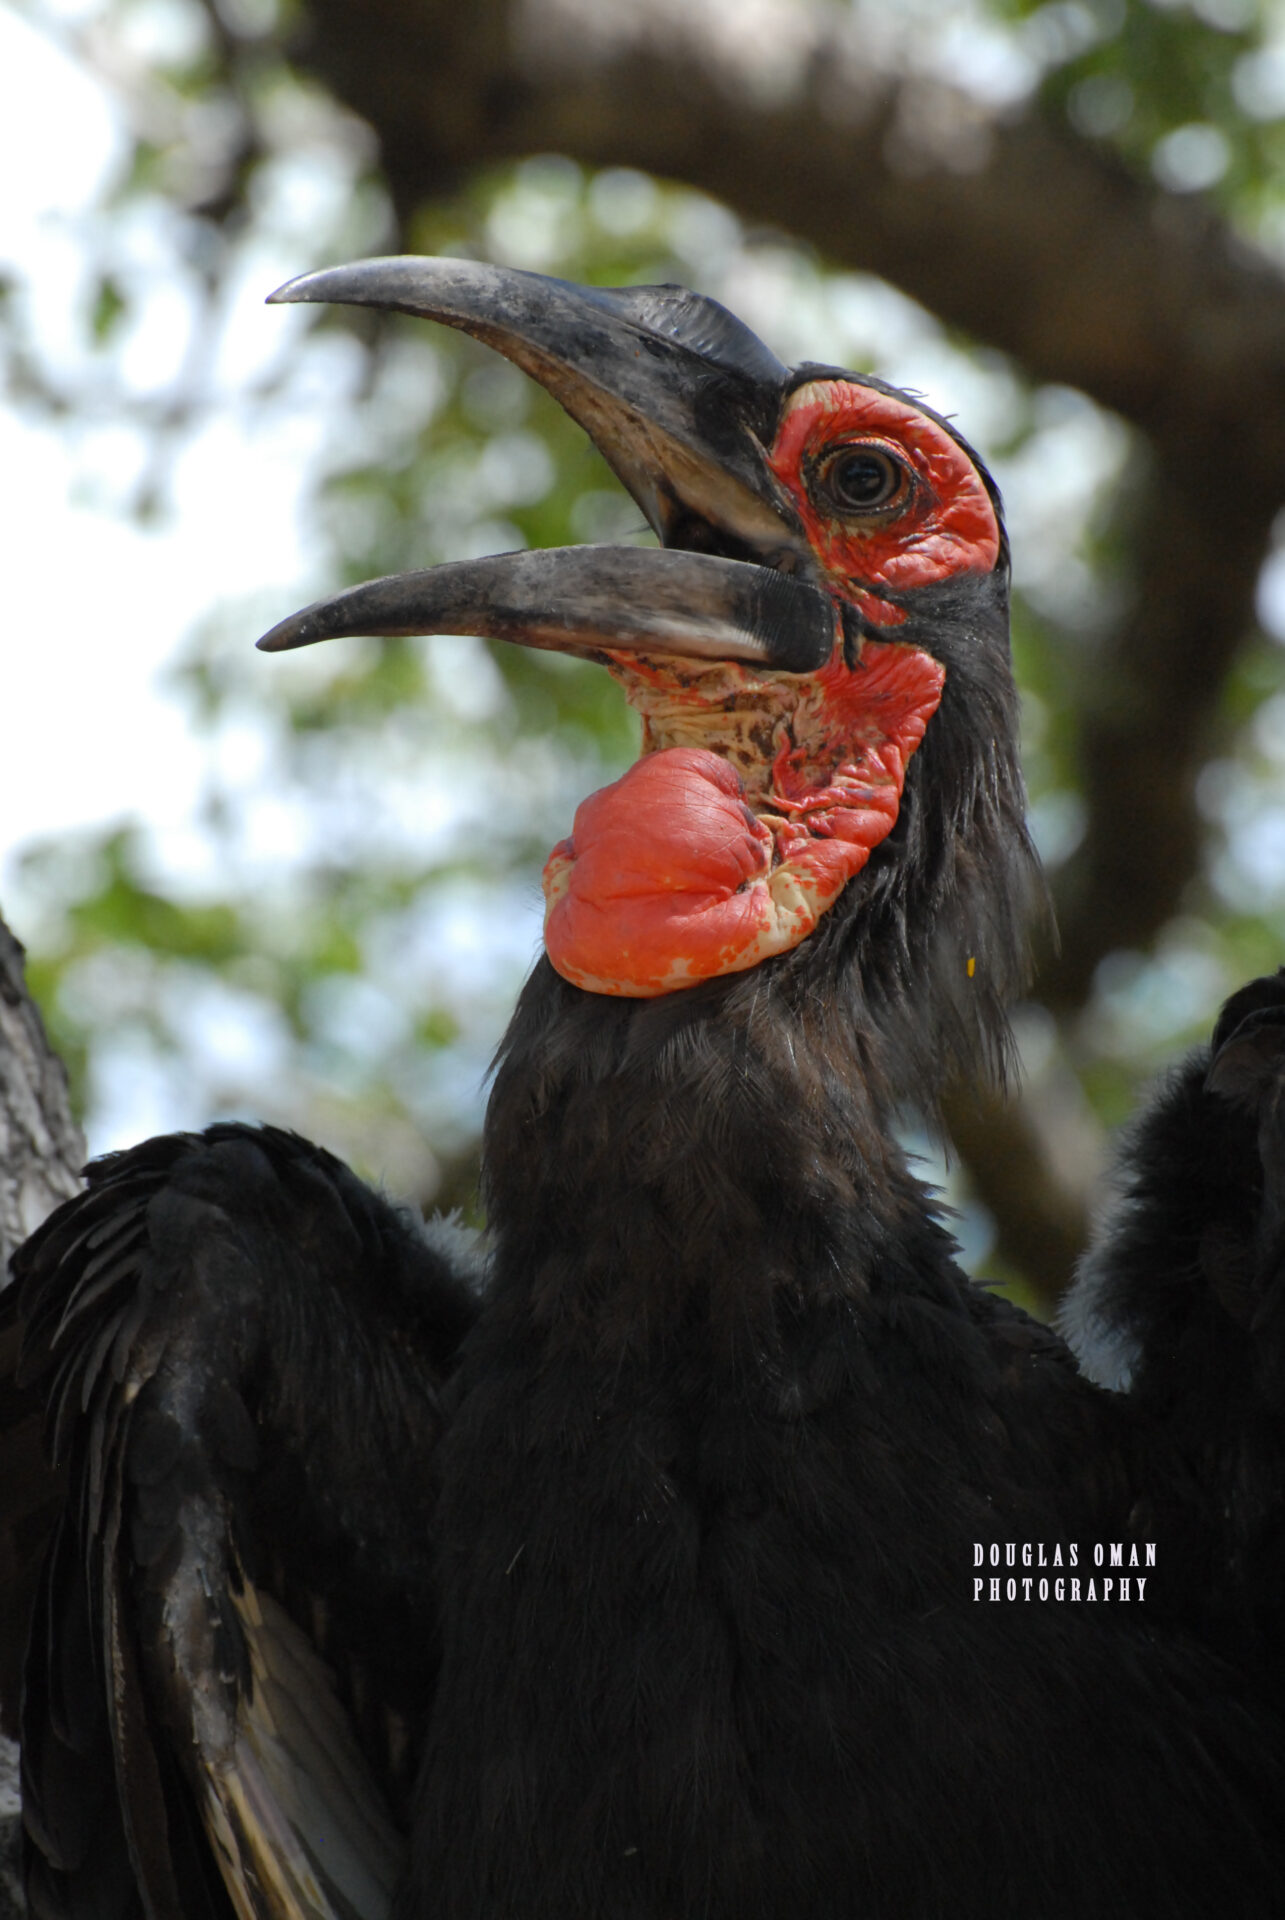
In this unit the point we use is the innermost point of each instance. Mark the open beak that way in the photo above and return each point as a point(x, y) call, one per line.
point(680, 397)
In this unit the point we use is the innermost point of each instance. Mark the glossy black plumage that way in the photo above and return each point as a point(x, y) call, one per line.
point(243, 1347)
point(643, 1556)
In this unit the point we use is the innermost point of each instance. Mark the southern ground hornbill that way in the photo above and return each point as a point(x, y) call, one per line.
point(707, 1546)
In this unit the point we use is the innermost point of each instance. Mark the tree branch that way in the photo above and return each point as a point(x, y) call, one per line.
point(41, 1147)
point(41, 1152)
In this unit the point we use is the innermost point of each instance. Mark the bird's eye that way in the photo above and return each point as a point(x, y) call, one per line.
point(862, 479)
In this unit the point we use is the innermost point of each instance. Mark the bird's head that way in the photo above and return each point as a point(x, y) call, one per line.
point(819, 652)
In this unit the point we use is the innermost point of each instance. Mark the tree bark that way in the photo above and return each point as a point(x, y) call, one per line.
point(12, 1904)
point(41, 1147)
point(41, 1151)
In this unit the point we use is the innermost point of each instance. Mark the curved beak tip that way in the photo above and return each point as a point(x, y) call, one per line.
point(316, 285)
point(293, 631)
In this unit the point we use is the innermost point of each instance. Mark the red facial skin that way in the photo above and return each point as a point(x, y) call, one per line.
point(942, 524)
point(758, 797)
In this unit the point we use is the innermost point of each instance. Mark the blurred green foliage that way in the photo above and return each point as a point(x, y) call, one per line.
point(1190, 89)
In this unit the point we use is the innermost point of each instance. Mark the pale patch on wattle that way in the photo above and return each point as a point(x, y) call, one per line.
point(698, 863)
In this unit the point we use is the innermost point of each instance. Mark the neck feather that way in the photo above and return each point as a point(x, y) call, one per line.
point(727, 1151)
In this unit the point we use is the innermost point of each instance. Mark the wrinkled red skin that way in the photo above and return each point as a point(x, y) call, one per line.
point(670, 876)
point(947, 524)
point(681, 871)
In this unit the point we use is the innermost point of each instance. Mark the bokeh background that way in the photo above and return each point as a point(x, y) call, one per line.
point(306, 888)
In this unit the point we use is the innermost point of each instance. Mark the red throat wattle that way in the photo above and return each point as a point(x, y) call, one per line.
point(700, 862)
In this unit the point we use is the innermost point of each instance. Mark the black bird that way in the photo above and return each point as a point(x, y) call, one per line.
point(642, 1564)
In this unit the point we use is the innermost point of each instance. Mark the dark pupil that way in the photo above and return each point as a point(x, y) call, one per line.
point(863, 480)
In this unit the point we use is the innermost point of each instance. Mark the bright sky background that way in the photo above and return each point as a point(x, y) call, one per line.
point(95, 606)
